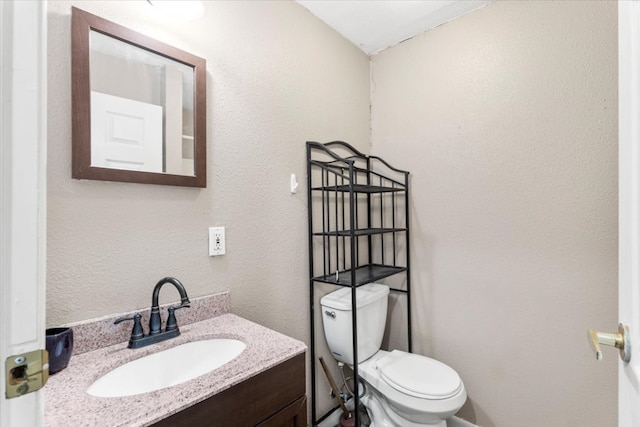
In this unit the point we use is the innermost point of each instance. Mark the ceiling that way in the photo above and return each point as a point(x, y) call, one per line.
point(374, 25)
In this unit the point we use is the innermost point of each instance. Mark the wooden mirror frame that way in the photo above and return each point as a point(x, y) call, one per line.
point(82, 23)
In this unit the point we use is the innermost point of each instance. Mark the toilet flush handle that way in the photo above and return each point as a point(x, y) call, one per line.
point(331, 314)
point(619, 340)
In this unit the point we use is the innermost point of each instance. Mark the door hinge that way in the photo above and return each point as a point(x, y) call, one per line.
point(26, 372)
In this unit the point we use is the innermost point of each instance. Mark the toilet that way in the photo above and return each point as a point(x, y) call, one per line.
point(401, 389)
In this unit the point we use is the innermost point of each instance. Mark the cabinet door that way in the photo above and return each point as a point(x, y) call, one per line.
point(293, 415)
point(263, 397)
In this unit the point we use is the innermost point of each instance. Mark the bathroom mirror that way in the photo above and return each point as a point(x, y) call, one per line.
point(138, 107)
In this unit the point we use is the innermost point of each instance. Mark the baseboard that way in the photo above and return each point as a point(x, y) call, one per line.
point(459, 422)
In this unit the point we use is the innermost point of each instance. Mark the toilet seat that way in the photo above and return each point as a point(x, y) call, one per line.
point(418, 376)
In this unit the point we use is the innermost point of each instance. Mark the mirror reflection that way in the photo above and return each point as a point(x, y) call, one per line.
point(141, 109)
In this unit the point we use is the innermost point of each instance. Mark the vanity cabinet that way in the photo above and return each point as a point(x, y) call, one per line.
point(274, 398)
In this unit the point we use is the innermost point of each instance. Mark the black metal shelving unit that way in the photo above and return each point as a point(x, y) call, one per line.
point(358, 209)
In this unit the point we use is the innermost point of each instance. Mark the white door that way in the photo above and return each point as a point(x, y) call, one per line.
point(125, 134)
point(629, 207)
point(22, 196)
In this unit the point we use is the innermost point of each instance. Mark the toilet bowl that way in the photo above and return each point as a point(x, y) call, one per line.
point(409, 390)
point(401, 389)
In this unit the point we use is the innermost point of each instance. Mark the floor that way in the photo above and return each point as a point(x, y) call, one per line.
point(333, 420)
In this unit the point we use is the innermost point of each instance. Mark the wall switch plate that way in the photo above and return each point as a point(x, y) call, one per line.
point(216, 241)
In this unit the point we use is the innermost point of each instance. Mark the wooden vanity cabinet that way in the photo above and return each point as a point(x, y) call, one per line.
point(274, 398)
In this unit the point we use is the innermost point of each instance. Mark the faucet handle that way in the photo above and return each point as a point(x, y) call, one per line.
point(172, 323)
point(137, 331)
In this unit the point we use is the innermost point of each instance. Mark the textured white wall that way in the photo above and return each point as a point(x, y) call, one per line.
point(507, 119)
point(276, 77)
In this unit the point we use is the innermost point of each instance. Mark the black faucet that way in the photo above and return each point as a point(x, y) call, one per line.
point(156, 334)
point(155, 322)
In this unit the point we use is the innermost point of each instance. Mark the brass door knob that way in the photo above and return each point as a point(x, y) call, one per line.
point(619, 340)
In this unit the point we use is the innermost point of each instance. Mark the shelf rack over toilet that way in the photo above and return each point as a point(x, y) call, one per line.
point(358, 207)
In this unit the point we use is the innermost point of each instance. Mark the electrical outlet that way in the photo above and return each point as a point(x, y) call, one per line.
point(216, 241)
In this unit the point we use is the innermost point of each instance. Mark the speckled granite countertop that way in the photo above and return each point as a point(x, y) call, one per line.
point(67, 403)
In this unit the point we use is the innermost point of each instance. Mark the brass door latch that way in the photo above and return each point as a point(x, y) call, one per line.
point(619, 340)
point(26, 372)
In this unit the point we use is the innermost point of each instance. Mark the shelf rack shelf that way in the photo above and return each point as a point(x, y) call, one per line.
point(364, 274)
point(358, 207)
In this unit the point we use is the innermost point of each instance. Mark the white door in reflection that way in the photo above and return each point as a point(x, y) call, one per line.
point(125, 134)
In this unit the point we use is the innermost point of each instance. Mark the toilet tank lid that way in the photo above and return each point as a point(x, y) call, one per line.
point(365, 294)
point(419, 376)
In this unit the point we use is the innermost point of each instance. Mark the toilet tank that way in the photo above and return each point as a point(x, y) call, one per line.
point(371, 303)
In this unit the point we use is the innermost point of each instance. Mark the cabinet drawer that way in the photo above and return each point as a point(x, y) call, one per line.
point(293, 415)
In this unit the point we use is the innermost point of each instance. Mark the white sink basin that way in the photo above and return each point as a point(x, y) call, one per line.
point(166, 368)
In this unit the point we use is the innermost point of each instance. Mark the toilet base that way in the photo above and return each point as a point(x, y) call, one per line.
point(382, 415)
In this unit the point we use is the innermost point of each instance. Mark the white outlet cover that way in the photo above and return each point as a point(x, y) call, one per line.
point(217, 244)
